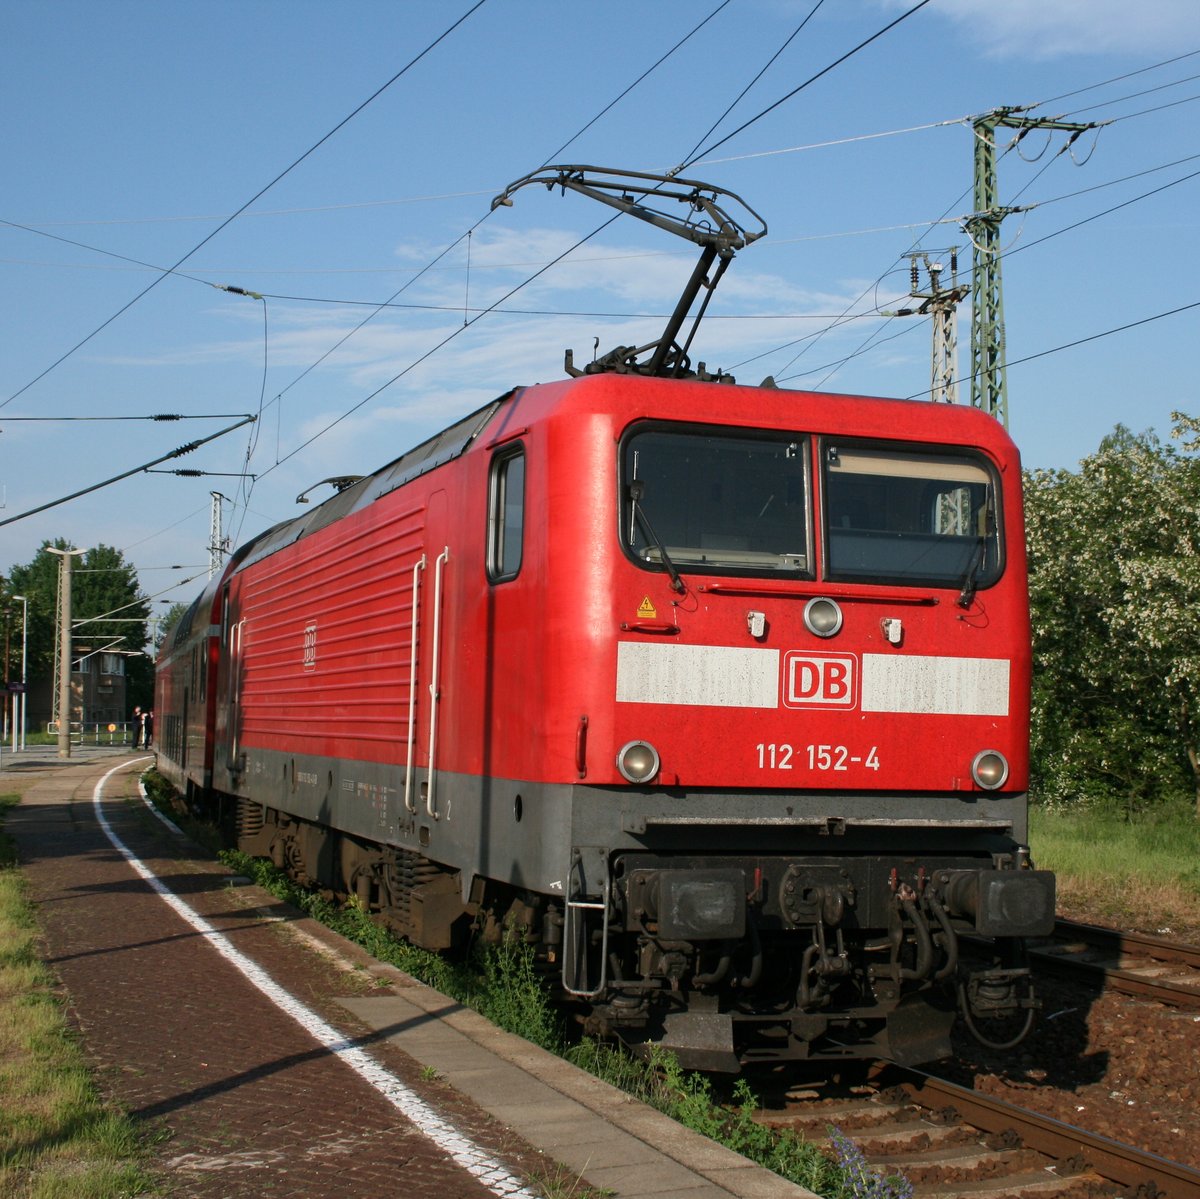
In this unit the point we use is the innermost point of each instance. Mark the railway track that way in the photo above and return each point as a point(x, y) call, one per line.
point(949, 1141)
point(1133, 963)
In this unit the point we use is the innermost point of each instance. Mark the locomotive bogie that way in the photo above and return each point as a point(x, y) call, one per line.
point(720, 693)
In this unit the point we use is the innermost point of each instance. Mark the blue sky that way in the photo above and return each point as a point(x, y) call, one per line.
point(134, 129)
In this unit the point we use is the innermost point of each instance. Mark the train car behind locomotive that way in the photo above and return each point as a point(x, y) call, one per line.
point(718, 695)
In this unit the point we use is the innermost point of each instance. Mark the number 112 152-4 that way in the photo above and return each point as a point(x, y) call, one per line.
point(815, 757)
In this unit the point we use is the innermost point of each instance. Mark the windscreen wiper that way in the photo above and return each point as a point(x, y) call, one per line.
point(966, 597)
point(637, 491)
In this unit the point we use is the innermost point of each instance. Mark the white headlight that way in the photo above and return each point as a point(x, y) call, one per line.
point(990, 769)
point(822, 617)
point(638, 761)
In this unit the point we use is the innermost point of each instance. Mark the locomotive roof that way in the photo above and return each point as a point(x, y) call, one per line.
point(441, 448)
point(445, 446)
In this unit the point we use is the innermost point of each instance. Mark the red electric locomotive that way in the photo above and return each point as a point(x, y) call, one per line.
point(721, 694)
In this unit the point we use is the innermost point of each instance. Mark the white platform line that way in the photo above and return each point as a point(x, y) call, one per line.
point(150, 803)
point(474, 1159)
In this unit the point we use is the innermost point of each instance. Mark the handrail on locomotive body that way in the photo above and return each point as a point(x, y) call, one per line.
point(708, 224)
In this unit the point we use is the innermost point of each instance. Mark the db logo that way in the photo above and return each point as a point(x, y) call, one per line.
point(819, 680)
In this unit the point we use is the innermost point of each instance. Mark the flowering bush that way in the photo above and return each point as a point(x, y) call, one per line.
point(1114, 580)
point(860, 1181)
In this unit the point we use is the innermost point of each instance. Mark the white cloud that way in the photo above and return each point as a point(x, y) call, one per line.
point(1037, 29)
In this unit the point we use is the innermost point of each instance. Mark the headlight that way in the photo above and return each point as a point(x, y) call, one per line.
point(638, 761)
point(990, 769)
point(822, 617)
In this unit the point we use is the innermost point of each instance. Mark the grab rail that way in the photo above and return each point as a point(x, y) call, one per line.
point(409, 800)
point(435, 678)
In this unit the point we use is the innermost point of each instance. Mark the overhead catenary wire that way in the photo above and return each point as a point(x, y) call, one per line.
point(621, 96)
point(41, 228)
point(477, 266)
point(1146, 112)
point(1166, 62)
point(762, 71)
point(445, 340)
point(598, 314)
point(448, 249)
point(841, 59)
point(797, 90)
point(1103, 213)
point(837, 363)
point(233, 216)
point(157, 416)
point(812, 338)
point(176, 453)
point(613, 315)
point(84, 570)
point(1149, 91)
point(1081, 341)
point(491, 191)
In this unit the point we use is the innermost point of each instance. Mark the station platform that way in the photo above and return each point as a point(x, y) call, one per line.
point(268, 1056)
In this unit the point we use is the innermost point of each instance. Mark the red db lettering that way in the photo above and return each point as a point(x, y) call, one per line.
point(837, 685)
point(807, 680)
point(819, 680)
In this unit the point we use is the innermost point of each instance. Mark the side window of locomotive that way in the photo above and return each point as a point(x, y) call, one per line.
point(716, 500)
point(506, 515)
point(898, 515)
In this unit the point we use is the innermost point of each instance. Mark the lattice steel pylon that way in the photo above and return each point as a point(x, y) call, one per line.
point(218, 545)
point(989, 386)
point(940, 302)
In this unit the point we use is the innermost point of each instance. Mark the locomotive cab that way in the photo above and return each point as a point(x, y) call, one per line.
point(813, 801)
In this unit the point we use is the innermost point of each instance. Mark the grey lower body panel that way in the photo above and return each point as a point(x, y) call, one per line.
point(527, 833)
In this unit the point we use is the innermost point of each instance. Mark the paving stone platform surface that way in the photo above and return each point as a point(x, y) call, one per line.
point(249, 1102)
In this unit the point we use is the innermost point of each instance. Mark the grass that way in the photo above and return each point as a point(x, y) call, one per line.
point(561, 1183)
point(57, 1138)
point(690, 1099)
point(1141, 873)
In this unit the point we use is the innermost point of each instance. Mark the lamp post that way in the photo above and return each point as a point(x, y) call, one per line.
point(64, 653)
point(24, 666)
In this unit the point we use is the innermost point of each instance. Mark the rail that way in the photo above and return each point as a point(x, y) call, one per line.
point(951, 1140)
point(1121, 1164)
point(1132, 963)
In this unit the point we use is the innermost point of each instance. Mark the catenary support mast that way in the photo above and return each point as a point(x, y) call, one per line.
point(989, 388)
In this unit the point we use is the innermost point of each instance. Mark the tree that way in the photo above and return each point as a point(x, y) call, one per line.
point(168, 621)
point(105, 594)
point(1115, 597)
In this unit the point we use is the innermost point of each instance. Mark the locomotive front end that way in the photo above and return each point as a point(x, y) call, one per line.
point(800, 829)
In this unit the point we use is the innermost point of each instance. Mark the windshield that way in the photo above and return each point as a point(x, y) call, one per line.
point(727, 502)
point(899, 515)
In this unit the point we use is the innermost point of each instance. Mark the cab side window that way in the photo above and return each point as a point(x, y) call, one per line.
point(506, 514)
